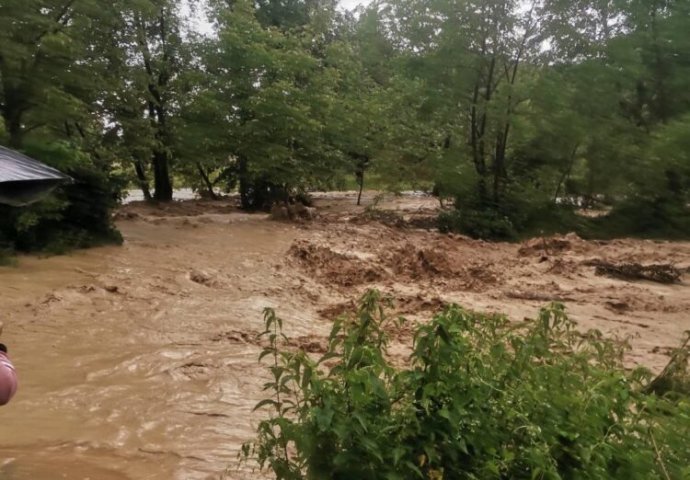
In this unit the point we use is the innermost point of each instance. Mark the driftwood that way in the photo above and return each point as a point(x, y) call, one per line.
point(660, 273)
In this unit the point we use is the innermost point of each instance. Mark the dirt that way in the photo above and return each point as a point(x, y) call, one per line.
point(331, 266)
point(140, 361)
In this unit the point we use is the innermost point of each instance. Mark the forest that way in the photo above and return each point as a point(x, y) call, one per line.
point(519, 113)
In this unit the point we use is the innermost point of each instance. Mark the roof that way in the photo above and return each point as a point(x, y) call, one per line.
point(24, 180)
point(16, 167)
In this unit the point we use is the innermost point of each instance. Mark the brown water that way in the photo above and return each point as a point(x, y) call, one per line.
point(134, 382)
point(138, 362)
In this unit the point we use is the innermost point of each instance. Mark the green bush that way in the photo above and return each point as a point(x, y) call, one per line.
point(522, 211)
point(642, 217)
point(484, 224)
point(480, 398)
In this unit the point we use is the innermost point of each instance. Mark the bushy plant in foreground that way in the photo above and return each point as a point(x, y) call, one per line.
point(479, 398)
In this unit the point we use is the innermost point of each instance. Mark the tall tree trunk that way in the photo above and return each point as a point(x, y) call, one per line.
point(157, 107)
point(479, 126)
point(161, 177)
point(499, 169)
point(476, 132)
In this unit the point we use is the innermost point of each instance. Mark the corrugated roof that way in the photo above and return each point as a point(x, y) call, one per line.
point(24, 180)
point(16, 167)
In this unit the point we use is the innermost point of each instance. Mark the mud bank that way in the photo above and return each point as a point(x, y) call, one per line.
point(139, 362)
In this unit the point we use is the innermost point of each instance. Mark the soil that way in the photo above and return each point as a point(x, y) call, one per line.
point(140, 361)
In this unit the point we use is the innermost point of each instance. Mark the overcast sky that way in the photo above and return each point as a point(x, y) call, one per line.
point(350, 4)
point(201, 24)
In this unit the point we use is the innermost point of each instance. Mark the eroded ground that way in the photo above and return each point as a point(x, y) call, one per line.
point(139, 362)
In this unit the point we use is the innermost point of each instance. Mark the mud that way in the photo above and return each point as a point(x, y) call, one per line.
point(661, 273)
point(140, 361)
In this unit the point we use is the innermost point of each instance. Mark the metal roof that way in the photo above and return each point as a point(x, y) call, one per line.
point(16, 167)
point(24, 180)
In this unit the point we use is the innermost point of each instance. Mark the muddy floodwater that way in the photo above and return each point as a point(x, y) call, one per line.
point(140, 361)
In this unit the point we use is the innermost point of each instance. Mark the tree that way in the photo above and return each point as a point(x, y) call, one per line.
point(270, 96)
point(43, 80)
point(470, 54)
point(147, 59)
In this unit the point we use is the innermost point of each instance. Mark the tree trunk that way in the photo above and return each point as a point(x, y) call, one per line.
point(13, 108)
point(361, 167)
point(566, 173)
point(360, 181)
point(143, 181)
point(499, 167)
point(161, 177)
point(13, 125)
point(498, 175)
point(207, 181)
point(244, 183)
point(478, 126)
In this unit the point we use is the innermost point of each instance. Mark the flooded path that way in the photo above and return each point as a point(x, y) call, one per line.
point(139, 362)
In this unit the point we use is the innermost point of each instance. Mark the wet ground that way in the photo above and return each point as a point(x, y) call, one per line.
point(140, 361)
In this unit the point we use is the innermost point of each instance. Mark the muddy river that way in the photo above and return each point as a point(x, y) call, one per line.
point(139, 362)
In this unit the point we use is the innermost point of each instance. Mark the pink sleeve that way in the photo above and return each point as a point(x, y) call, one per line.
point(8, 380)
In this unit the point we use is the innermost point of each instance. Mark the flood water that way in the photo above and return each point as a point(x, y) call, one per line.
point(140, 361)
point(136, 195)
point(129, 367)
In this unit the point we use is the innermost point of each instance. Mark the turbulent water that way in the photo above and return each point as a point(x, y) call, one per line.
point(127, 360)
point(140, 361)
point(179, 194)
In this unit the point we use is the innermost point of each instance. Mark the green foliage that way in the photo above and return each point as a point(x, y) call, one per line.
point(484, 224)
point(517, 131)
point(650, 218)
point(479, 398)
point(526, 211)
point(41, 85)
point(268, 96)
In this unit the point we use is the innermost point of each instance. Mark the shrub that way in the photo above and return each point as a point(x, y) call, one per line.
point(643, 217)
point(480, 398)
point(484, 224)
point(523, 212)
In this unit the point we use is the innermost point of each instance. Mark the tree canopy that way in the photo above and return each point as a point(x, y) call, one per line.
point(519, 111)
